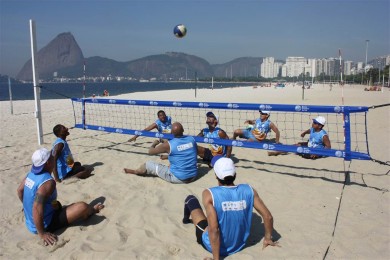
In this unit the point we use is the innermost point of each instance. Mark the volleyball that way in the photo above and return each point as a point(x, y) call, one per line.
point(180, 30)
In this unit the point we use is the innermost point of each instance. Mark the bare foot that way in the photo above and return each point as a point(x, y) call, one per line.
point(129, 171)
point(98, 207)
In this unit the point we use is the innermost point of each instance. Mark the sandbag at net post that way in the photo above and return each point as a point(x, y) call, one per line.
point(129, 116)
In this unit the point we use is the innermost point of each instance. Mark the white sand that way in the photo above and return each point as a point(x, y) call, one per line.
point(142, 218)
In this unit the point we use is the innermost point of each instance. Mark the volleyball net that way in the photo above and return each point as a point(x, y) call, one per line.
point(346, 125)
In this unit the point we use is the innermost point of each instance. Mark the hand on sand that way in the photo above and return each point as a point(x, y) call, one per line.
point(48, 238)
point(269, 242)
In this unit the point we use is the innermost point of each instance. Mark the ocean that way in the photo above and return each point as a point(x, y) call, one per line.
point(69, 90)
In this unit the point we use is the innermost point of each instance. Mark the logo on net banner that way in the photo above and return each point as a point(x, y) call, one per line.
point(237, 143)
point(203, 105)
point(338, 109)
point(299, 108)
point(265, 107)
point(153, 103)
point(118, 131)
point(138, 133)
point(100, 128)
point(234, 106)
point(208, 140)
point(339, 154)
point(132, 102)
point(112, 101)
point(158, 135)
point(301, 149)
point(176, 104)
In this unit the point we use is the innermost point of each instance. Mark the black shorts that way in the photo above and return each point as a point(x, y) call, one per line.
point(75, 169)
point(58, 220)
point(208, 156)
point(200, 228)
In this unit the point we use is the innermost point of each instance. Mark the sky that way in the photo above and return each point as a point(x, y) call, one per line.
point(218, 30)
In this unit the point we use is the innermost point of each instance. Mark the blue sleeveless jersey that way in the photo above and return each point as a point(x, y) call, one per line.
point(164, 127)
point(62, 166)
point(261, 129)
point(315, 140)
point(234, 206)
point(183, 157)
point(215, 149)
point(31, 186)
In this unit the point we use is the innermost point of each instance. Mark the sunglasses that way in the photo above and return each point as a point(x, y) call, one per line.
point(261, 113)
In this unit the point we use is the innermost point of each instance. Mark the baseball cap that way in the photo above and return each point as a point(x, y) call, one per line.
point(224, 167)
point(211, 114)
point(39, 158)
point(265, 111)
point(319, 120)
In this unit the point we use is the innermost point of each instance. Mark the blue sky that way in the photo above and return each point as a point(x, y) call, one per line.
point(218, 31)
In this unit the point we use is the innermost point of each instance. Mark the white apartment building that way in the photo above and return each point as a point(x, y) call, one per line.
point(295, 66)
point(348, 67)
point(269, 68)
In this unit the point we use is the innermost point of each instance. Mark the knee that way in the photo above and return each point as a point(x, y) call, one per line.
point(192, 203)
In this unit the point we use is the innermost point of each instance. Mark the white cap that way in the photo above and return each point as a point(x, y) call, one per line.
point(265, 112)
point(39, 158)
point(224, 167)
point(320, 120)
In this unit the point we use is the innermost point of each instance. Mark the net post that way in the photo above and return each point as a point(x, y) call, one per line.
point(83, 116)
point(347, 135)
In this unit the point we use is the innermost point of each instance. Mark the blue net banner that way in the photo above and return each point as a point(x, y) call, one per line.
point(107, 115)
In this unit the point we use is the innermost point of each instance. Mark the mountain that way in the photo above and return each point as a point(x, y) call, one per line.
point(240, 67)
point(61, 53)
point(63, 57)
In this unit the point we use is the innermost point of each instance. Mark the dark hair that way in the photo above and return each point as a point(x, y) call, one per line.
point(161, 111)
point(57, 129)
point(228, 180)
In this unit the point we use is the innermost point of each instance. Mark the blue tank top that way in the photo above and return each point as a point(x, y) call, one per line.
point(215, 149)
point(183, 157)
point(164, 127)
point(315, 140)
point(31, 186)
point(234, 206)
point(261, 129)
point(62, 166)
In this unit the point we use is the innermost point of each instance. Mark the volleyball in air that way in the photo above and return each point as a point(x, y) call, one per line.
point(180, 30)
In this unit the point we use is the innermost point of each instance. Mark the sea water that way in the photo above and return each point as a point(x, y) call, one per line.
point(25, 91)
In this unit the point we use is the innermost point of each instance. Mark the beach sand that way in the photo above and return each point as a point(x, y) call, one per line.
point(142, 217)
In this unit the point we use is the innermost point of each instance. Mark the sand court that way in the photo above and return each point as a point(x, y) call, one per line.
point(142, 217)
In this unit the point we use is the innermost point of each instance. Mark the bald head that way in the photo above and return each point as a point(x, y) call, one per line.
point(177, 129)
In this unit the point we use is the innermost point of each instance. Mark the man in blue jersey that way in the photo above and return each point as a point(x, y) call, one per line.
point(229, 213)
point(65, 166)
point(318, 137)
point(38, 193)
point(181, 155)
point(163, 124)
point(257, 130)
point(213, 131)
